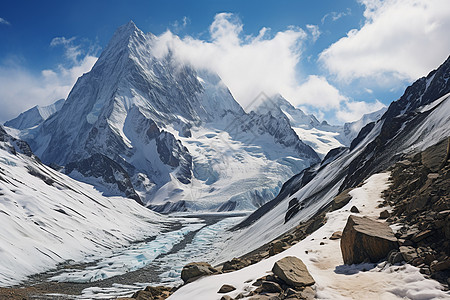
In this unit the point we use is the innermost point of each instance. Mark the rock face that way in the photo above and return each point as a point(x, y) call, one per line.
point(106, 171)
point(419, 199)
point(365, 239)
point(293, 272)
point(195, 270)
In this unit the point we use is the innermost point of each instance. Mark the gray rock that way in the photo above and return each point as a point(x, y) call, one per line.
point(226, 288)
point(293, 272)
point(364, 239)
point(270, 287)
point(308, 293)
point(195, 270)
point(266, 297)
point(384, 214)
point(354, 209)
point(395, 257)
point(408, 253)
point(341, 200)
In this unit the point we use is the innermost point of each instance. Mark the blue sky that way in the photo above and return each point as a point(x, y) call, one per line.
point(337, 59)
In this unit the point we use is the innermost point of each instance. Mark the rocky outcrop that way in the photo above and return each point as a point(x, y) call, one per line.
point(419, 197)
point(195, 270)
point(152, 293)
point(235, 264)
point(293, 272)
point(364, 239)
point(107, 171)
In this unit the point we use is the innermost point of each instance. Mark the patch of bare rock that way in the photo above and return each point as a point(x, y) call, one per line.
point(420, 197)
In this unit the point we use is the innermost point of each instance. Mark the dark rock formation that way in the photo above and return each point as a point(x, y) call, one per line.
point(195, 270)
point(108, 171)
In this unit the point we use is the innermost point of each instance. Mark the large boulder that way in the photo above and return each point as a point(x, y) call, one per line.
point(195, 270)
point(364, 239)
point(341, 200)
point(293, 272)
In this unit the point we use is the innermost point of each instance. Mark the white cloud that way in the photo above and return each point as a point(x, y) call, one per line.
point(314, 30)
point(5, 22)
point(400, 40)
point(247, 64)
point(179, 25)
point(317, 92)
point(264, 63)
point(21, 89)
point(319, 97)
point(353, 110)
point(336, 15)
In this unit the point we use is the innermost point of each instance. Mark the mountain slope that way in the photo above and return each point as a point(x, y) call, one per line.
point(176, 131)
point(48, 218)
point(419, 119)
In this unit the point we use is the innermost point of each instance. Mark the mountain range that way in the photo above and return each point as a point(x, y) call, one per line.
point(142, 129)
point(173, 137)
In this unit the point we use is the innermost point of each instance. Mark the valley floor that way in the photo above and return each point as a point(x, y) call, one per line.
point(155, 261)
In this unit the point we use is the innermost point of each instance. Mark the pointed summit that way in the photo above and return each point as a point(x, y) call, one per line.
point(124, 35)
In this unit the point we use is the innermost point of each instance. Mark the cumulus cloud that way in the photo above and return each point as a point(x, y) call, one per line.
point(323, 98)
point(266, 63)
point(318, 92)
point(353, 110)
point(400, 40)
point(21, 89)
point(247, 64)
point(5, 22)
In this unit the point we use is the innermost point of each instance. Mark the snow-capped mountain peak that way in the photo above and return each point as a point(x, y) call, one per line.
point(176, 130)
point(35, 115)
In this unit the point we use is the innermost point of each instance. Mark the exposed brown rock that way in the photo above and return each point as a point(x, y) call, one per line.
point(266, 297)
point(441, 265)
point(270, 287)
point(195, 270)
point(226, 288)
point(336, 235)
point(354, 209)
point(341, 200)
point(384, 214)
point(409, 253)
point(364, 239)
point(277, 247)
point(293, 272)
point(235, 264)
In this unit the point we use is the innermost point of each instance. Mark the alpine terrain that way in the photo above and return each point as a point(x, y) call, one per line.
point(150, 181)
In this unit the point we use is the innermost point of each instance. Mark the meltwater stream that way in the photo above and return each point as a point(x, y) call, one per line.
point(199, 239)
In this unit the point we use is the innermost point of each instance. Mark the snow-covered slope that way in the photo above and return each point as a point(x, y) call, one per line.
point(184, 141)
point(419, 119)
point(35, 115)
point(47, 218)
